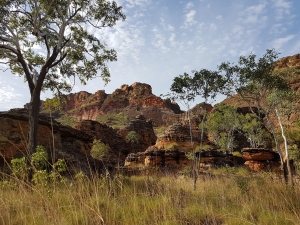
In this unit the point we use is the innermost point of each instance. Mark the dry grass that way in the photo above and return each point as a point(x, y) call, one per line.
point(151, 200)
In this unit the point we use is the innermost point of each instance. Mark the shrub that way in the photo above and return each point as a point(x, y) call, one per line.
point(99, 150)
point(132, 137)
point(173, 146)
point(39, 159)
point(19, 168)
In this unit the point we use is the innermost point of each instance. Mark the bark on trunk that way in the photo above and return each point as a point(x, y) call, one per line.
point(34, 109)
point(287, 161)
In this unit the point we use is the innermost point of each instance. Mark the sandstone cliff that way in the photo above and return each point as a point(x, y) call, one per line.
point(131, 100)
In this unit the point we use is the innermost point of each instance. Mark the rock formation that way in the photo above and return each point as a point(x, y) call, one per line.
point(145, 133)
point(260, 159)
point(73, 145)
point(132, 100)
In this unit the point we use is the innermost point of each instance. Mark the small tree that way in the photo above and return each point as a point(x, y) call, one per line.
point(99, 150)
point(182, 90)
point(253, 130)
point(132, 137)
point(221, 125)
point(282, 103)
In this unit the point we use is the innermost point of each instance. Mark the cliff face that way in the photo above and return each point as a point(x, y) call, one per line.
point(133, 100)
point(144, 131)
point(72, 144)
point(69, 144)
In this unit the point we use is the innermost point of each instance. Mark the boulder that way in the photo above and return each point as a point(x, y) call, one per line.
point(260, 159)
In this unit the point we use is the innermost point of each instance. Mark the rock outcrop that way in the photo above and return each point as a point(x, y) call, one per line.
point(178, 160)
point(178, 136)
point(132, 100)
point(259, 159)
point(145, 133)
point(71, 144)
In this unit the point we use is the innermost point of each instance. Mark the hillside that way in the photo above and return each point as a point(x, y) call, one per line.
point(118, 108)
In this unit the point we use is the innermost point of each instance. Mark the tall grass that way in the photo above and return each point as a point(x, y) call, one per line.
point(151, 200)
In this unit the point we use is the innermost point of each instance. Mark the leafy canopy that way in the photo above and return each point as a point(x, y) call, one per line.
point(57, 38)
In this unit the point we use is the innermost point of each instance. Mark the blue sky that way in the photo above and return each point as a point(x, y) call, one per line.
point(161, 39)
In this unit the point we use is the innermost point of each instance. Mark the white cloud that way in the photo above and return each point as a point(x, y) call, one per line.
point(9, 96)
point(282, 8)
point(189, 19)
point(172, 41)
point(167, 27)
point(126, 38)
point(277, 43)
point(189, 5)
point(134, 3)
point(213, 26)
point(253, 13)
point(278, 29)
point(159, 40)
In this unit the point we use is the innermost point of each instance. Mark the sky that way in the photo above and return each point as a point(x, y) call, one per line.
point(162, 39)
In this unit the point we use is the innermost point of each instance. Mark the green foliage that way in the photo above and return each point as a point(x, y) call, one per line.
point(294, 154)
point(67, 120)
point(19, 168)
point(60, 166)
point(55, 103)
point(173, 146)
point(119, 120)
point(243, 184)
point(253, 130)
point(99, 150)
point(80, 176)
point(39, 159)
point(221, 125)
point(40, 177)
point(66, 44)
point(204, 147)
point(39, 165)
point(132, 137)
point(159, 130)
point(252, 78)
point(237, 154)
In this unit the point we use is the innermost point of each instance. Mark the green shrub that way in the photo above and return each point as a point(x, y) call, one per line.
point(67, 120)
point(132, 137)
point(173, 146)
point(39, 159)
point(99, 150)
point(19, 168)
point(116, 121)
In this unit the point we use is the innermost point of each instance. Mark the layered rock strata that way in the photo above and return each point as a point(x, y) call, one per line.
point(259, 159)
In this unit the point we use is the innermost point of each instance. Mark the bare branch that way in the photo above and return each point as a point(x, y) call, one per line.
point(11, 49)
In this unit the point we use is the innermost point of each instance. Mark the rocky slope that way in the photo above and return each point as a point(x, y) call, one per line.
point(72, 144)
point(129, 100)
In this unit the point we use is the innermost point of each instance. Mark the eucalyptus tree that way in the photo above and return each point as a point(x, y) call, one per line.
point(181, 90)
point(253, 80)
point(221, 125)
point(50, 41)
point(282, 104)
point(207, 84)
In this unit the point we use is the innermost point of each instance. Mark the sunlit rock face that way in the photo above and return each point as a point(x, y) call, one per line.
point(132, 100)
point(259, 159)
point(69, 144)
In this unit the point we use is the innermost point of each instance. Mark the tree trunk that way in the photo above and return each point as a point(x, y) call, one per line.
point(287, 161)
point(195, 174)
point(34, 109)
point(283, 162)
